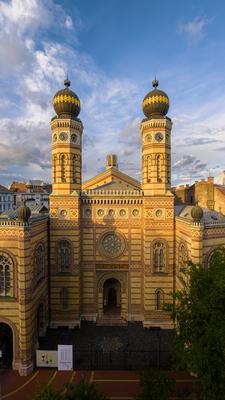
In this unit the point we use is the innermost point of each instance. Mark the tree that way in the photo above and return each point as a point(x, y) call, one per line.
point(199, 312)
point(47, 393)
point(156, 385)
point(83, 391)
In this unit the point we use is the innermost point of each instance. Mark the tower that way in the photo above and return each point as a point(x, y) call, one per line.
point(65, 209)
point(156, 139)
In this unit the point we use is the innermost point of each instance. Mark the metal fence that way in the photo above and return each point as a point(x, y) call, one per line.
point(128, 360)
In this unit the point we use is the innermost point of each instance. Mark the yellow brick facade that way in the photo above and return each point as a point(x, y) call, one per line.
point(109, 235)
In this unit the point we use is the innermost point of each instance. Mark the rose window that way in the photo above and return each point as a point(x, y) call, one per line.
point(112, 244)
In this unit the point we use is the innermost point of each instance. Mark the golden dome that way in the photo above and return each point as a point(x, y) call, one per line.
point(156, 102)
point(197, 213)
point(23, 213)
point(66, 103)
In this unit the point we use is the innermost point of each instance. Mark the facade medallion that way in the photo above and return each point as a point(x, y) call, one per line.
point(111, 213)
point(63, 213)
point(63, 136)
point(112, 244)
point(88, 212)
point(158, 213)
point(122, 212)
point(100, 212)
point(135, 212)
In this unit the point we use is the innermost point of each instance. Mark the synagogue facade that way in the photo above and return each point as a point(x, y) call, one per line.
point(110, 249)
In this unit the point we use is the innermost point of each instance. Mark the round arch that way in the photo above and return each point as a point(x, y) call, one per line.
point(15, 336)
point(121, 277)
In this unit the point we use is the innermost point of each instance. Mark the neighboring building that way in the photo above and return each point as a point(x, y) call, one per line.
point(111, 249)
point(7, 199)
point(34, 192)
point(207, 193)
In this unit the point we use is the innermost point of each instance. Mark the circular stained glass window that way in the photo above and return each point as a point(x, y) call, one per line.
point(112, 244)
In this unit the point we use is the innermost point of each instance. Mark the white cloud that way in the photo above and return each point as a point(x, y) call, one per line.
point(195, 29)
point(68, 22)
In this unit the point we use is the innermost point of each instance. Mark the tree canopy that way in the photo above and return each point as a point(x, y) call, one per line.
point(199, 312)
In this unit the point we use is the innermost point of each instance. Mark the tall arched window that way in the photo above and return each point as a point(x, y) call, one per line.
point(158, 168)
point(158, 299)
point(213, 256)
point(73, 167)
point(39, 263)
point(168, 168)
point(183, 255)
point(159, 257)
point(6, 271)
point(54, 168)
point(63, 168)
point(149, 165)
point(65, 298)
point(64, 256)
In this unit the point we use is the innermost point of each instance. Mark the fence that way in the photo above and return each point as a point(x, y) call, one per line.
point(127, 360)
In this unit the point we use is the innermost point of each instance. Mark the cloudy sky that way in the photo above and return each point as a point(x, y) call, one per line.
point(112, 50)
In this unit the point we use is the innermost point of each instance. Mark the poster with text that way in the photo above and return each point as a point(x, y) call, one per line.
point(65, 357)
point(46, 358)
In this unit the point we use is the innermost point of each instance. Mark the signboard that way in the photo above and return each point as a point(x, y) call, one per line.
point(65, 357)
point(46, 358)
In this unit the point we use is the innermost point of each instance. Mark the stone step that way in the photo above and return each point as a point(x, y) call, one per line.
point(111, 322)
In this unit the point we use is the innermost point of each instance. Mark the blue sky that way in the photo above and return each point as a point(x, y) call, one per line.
point(112, 50)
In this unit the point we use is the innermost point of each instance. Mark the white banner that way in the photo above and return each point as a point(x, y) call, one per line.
point(47, 358)
point(65, 357)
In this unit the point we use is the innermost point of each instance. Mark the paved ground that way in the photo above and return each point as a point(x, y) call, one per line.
point(117, 385)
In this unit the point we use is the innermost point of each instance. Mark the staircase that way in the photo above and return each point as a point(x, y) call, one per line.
point(111, 317)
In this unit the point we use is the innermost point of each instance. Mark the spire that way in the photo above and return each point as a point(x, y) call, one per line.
point(155, 83)
point(67, 81)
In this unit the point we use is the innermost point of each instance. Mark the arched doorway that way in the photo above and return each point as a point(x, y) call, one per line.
point(6, 346)
point(112, 297)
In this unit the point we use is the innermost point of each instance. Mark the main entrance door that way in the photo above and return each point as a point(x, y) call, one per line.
point(112, 297)
point(6, 346)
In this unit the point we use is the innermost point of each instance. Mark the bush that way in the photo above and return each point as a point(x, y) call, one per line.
point(155, 385)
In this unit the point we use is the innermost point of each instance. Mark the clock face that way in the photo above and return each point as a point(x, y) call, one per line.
point(63, 136)
point(55, 138)
point(158, 136)
point(73, 138)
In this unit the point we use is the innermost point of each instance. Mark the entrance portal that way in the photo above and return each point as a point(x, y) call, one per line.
point(112, 297)
point(6, 346)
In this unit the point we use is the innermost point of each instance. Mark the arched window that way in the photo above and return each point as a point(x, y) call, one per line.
point(183, 255)
point(6, 271)
point(63, 168)
point(54, 168)
point(64, 256)
point(149, 165)
point(213, 256)
point(158, 299)
point(159, 257)
point(65, 298)
point(158, 168)
point(39, 263)
point(73, 167)
point(168, 167)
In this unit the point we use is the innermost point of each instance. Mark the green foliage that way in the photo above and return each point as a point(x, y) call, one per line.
point(82, 391)
point(155, 385)
point(47, 393)
point(199, 312)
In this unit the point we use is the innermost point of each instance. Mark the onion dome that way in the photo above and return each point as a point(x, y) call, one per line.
point(197, 213)
point(66, 103)
point(23, 213)
point(156, 102)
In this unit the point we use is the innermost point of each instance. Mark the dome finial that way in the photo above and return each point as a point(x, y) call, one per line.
point(155, 83)
point(67, 81)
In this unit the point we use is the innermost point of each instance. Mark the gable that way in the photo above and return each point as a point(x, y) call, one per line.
point(113, 179)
